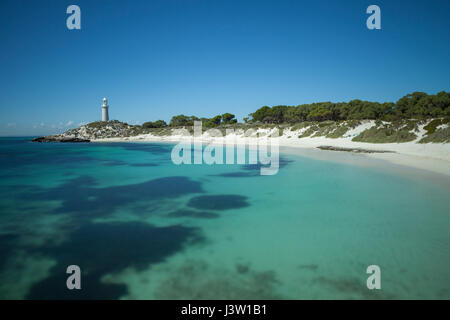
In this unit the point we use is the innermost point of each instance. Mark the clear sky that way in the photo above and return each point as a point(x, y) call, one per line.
point(154, 59)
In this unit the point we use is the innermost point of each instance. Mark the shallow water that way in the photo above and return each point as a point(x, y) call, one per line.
point(141, 227)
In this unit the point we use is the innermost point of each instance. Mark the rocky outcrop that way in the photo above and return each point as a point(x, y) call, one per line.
point(59, 138)
point(94, 130)
point(356, 150)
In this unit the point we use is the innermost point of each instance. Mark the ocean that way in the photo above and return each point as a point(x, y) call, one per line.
point(141, 227)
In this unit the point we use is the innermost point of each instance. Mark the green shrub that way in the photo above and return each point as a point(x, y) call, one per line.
point(389, 133)
point(431, 127)
point(435, 134)
point(300, 125)
point(160, 131)
point(96, 124)
point(338, 132)
point(325, 128)
point(353, 123)
point(309, 131)
point(156, 124)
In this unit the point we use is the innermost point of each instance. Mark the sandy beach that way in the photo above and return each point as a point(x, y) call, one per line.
point(434, 157)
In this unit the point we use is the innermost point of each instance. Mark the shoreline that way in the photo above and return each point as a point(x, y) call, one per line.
point(430, 157)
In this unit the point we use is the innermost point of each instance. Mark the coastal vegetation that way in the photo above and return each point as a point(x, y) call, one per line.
point(371, 131)
point(394, 122)
point(438, 130)
point(182, 120)
point(415, 117)
point(388, 132)
point(155, 124)
point(417, 105)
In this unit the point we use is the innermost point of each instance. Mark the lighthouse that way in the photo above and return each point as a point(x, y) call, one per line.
point(105, 116)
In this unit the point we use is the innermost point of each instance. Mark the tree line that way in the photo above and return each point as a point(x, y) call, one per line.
point(417, 105)
point(182, 120)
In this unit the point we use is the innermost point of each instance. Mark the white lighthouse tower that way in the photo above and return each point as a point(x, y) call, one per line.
point(105, 115)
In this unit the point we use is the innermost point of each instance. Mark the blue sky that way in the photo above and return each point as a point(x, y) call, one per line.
point(154, 59)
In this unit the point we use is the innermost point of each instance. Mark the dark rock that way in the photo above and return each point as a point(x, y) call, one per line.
point(59, 139)
point(240, 268)
point(356, 150)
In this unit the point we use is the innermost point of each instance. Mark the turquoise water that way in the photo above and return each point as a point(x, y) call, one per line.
point(141, 227)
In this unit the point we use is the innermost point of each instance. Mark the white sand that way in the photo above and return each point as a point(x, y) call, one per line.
point(433, 157)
